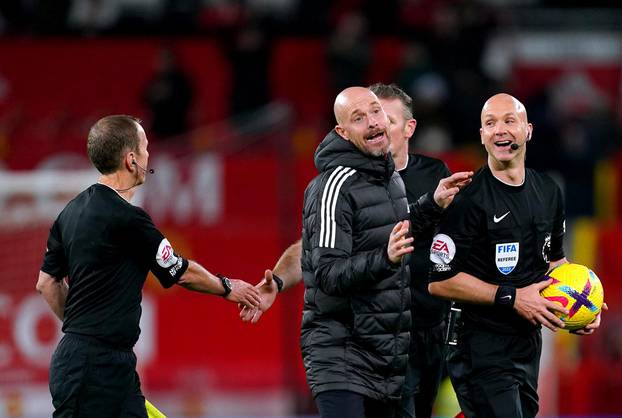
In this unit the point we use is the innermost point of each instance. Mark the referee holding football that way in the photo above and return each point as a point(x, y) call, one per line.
point(99, 252)
point(498, 240)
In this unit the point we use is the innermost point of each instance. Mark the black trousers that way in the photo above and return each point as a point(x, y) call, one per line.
point(426, 365)
point(90, 380)
point(346, 404)
point(496, 375)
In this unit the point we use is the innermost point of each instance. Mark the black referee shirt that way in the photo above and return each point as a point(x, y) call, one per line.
point(501, 234)
point(106, 247)
point(421, 175)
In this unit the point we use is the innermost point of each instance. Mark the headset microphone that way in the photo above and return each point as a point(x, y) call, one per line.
point(514, 146)
point(151, 170)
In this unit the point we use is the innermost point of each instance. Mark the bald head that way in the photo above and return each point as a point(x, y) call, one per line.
point(347, 101)
point(505, 131)
point(505, 101)
point(361, 120)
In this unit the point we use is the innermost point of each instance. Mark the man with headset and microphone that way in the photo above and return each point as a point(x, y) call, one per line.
point(99, 251)
point(492, 250)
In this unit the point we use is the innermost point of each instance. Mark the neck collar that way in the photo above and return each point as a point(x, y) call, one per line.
point(405, 164)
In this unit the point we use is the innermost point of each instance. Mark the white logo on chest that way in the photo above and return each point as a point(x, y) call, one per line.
point(506, 256)
point(500, 218)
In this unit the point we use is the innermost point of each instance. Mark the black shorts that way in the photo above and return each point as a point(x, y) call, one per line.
point(90, 380)
point(496, 375)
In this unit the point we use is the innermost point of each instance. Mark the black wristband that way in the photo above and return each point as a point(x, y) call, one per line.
point(226, 284)
point(505, 296)
point(278, 281)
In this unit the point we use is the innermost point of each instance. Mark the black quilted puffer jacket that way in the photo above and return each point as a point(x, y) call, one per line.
point(356, 320)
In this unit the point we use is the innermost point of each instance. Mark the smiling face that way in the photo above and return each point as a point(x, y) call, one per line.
point(504, 122)
point(362, 121)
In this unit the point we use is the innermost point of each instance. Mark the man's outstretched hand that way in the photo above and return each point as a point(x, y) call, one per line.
point(400, 243)
point(449, 187)
point(267, 293)
point(244, 293)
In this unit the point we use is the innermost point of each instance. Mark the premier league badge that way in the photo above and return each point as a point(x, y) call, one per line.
point(506, 256)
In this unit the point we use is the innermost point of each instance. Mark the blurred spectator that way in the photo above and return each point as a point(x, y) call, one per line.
point(457, 39)
point(279, 9)
point(423, 81)
point(249, 55)
point(578, 118)
point(467, 87)
point(94, 16)
point(219, 14)
point(588, 133)
point(169, 96)
point(415, 62)
point(459, 35)
point(416, 16)
point(349, 52)
point(429, 90)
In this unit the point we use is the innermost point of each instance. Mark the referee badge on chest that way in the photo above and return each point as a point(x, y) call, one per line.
point(506, 256)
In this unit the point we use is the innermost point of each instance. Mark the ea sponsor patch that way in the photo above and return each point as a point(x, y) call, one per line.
point(442, 250)
point(166, 256)
point(506, 256)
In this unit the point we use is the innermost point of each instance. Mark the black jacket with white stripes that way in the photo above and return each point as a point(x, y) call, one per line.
point(356, 319)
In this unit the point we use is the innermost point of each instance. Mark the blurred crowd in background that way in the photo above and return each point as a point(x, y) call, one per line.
point(446, 61)
point(200, 71)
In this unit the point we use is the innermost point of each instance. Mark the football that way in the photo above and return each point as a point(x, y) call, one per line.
point(578, 289)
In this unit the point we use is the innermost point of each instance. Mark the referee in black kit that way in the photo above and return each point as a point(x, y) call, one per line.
point(498, 240)
point(99, 252)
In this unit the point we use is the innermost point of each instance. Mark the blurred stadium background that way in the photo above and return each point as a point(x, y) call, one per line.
point(235, 96)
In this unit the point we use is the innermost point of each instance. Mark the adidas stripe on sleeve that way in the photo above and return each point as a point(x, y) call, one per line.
point(328, 225)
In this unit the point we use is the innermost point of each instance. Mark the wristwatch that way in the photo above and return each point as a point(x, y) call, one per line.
point(279, 283)
point(226, 283)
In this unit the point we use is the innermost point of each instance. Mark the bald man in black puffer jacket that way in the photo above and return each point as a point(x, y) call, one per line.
point(356, 320)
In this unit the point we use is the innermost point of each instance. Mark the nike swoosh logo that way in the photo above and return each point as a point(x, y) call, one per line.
point(506, 297)
point(500, 218)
